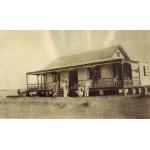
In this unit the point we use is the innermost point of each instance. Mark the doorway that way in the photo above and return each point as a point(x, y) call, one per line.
point(73, 82)
point(73, 78)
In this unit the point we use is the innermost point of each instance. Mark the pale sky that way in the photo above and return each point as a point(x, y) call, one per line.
point(24, 51)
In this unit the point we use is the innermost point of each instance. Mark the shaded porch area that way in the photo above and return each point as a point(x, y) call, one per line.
point(107, 75)
point(121, 77)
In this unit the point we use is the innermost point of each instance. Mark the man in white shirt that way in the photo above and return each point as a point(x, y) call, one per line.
point(87, 87)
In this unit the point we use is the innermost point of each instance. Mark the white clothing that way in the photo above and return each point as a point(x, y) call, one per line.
point(65, 89)
point(86, 93)
point(86, 88)
point(65, 92)
point(80, 91)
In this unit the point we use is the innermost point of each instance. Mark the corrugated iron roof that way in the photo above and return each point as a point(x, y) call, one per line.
point(91, 57)
point(86, 57)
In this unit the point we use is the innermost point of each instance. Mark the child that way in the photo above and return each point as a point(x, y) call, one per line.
point(80, 91)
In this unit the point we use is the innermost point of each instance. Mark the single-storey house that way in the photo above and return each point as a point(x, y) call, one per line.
point(111, 71)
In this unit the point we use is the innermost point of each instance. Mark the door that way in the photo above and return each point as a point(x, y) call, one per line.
point(73, 79)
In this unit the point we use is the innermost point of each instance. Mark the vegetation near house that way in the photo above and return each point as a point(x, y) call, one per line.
point(85, 104)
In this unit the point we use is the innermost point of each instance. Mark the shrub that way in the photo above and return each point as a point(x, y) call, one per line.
point(60, 105)
point(85, 104)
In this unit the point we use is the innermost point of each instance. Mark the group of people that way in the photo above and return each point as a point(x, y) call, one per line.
point(83, 89)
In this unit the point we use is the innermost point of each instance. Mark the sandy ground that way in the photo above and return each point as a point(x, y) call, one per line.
point(91, 107)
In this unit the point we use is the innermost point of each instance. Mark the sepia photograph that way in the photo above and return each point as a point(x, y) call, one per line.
point(77, 74)
point(74, 74)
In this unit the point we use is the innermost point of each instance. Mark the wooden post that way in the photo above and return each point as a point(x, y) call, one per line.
point(122, 72)
point(139, 74)
point(27, 81)
point(122, 76)
point(41, 82)
point(38, 82)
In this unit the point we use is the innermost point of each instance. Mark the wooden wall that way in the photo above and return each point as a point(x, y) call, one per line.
point(83, 74)
point(106, 71)
point(47, 81)
point(145, 80)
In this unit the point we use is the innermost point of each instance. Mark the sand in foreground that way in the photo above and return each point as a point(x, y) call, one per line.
point(91, 107)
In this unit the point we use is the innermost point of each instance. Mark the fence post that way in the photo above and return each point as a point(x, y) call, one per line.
point(27, 81)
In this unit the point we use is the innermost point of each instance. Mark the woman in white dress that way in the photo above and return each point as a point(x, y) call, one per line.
point(65, 88)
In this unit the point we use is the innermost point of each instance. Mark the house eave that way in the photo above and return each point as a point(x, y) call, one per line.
point(81, 65)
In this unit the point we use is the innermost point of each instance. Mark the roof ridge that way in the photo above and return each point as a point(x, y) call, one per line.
point(84, 57)
point(115, 46)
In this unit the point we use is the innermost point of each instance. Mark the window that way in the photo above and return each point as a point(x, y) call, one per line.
point(94, 73)
point(146, 70)
point(55, 76)
point(90, 73)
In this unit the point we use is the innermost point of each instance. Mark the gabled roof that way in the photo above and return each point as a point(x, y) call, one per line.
point(86, 57)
